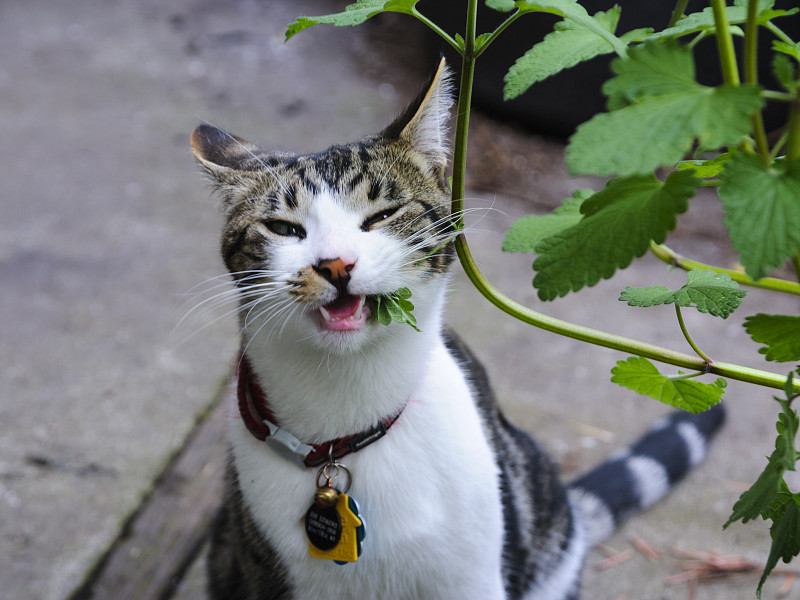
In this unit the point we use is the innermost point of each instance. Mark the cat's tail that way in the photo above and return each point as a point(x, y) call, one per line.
point(639, 475)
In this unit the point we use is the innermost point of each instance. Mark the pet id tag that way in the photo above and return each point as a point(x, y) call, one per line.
point(332, 523)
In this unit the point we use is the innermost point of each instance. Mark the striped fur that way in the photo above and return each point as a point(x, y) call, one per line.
point(458, 502)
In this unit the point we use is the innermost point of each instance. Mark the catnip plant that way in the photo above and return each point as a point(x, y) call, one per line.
point(664, 136)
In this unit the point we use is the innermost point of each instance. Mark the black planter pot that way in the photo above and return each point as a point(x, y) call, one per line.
point(560, 103)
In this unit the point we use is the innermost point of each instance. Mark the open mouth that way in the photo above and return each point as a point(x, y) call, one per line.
point(346, 313)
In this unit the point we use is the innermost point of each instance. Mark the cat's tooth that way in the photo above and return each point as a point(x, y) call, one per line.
point(361, 300)
point(325, 314)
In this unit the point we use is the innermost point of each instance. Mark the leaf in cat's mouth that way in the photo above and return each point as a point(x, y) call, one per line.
point(345, 313)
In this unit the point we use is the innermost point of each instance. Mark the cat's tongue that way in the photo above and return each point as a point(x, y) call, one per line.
point(345, 313)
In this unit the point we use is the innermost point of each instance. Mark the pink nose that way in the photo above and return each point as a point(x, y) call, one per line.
point(336, 271)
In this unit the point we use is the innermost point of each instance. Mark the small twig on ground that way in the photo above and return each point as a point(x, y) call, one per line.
point(614, 560)
point(645, 549)
point(702, 567)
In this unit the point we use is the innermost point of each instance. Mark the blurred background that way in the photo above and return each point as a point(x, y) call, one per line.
point(111, 416)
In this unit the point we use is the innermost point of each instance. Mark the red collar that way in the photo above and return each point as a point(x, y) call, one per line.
point(260, 421)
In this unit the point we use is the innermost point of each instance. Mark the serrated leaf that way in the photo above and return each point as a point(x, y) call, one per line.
point(395, 307)
point(570, 43)
point(701, 21)
point(762, 493)
point(640, 375)
point(618, 225)
point(785, 534)
point(705, 169)
point(704, 20)
point(761, 211)
point(353, 14)
point(656, 98)
point(785, 69)
point(526, 233)
point(779, 333)
point(707, 291)
point(792, 50)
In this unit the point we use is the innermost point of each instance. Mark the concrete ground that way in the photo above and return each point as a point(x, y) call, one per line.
point(106, 228)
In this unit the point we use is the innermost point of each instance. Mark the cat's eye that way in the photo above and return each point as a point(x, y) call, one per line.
point(286, 229)
point(373, 220)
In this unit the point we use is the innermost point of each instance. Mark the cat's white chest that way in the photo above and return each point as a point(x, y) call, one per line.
point(428, 493)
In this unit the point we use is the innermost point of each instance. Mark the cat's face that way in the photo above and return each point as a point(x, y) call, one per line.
point(312, 240)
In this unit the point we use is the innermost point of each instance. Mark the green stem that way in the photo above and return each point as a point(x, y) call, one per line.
point(779, 96)
point(778, 33)
point(608, 340)
point(683, 376)
point(677, 13)
point(793, 139)
point(526, 315)
point(768, 283)
point(462, 117)
point(751, 75)
point(796, 265)
point(493, 36)
point(688, 337)
point(727, 56)
point(438, 30)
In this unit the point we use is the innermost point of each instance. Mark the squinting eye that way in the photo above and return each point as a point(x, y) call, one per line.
point(286, 229)
point(370, 222)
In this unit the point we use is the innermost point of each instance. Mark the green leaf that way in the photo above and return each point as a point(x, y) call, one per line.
point(785, 534)
point(761, 211)
point(779, 333)
point(785, 69)
point(641, 376)
point(761, 494)
point(526, 233)
point(708, 291)
point(704, 20)
point(353, 14)
point(705, 169)
point(501, 5)
point(656, 98)
point(395, 307)
point(792, 50)
point(618, 225)
point(569, 44)
point(570, 9)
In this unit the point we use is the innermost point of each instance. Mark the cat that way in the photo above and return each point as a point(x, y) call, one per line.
point(448, 499)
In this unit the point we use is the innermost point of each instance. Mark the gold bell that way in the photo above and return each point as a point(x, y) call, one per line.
point(326, 496)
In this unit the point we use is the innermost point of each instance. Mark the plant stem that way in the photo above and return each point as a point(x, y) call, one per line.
point(436, 29)
point(751, 75)
point(493, 36)
point(727, 56)
point(671, 257)
point(796, 265)
point(462, 116)
point(677, 13)
point(526, 315)
point(779, 96)
point(608, 340)
point(793, 138)
point(688, 337)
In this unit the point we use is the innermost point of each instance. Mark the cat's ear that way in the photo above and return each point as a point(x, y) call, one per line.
point(220, 152)
point(424, 123)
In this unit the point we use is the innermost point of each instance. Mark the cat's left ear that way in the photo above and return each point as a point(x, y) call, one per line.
point(221, 152)
point(424, 123)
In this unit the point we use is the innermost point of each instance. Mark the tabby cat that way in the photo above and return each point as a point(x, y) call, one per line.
point(383, 442)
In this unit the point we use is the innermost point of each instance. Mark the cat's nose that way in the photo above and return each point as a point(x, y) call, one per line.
point(336, 271)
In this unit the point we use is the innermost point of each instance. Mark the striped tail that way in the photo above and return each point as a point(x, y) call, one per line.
point(643, 473)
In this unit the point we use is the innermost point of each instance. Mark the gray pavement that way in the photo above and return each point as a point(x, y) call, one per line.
point(106, 228)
